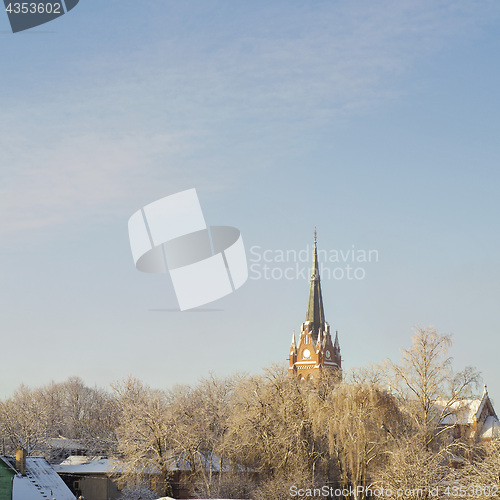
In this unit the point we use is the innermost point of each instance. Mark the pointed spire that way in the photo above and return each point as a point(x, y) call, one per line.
point(336, 344)
point(315, 313)
point(319, 339)
point(293, 339)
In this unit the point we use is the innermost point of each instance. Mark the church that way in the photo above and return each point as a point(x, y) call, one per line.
point(315, 354)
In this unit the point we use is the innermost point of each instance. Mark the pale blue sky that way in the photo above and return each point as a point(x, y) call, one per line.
point(377, 122)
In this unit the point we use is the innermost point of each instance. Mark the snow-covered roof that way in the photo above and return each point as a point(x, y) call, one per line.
point(9, 462)
point(40, 482)
point(78, 460)
point(81, 465)
point(466, 411)
point(85, 465)
point(491, 428)
point(180, 463)
point(463, 412)
point(65, 444)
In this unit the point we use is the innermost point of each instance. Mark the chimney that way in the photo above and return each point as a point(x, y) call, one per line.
point(21, 460)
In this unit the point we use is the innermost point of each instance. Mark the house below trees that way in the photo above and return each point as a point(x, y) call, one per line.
point(473, 418)
point(30, 478)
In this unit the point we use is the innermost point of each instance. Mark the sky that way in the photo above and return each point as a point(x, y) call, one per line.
point(375, 122)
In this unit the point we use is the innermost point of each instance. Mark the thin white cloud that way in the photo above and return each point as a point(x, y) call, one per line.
point(159, 114)
point(76, 177)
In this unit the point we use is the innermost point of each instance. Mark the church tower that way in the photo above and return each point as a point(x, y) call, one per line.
point(315, 353)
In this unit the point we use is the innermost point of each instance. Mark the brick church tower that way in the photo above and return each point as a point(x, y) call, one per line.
point(315, 353)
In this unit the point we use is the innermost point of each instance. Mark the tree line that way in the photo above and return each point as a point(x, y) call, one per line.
point(268, 436)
